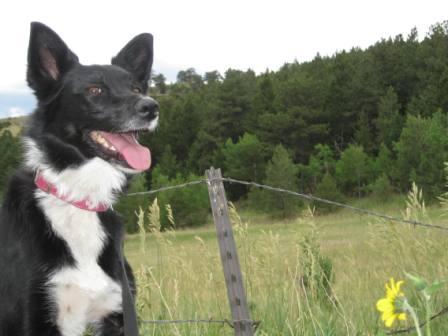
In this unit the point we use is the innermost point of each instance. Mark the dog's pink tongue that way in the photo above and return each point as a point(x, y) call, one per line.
point(137, 156)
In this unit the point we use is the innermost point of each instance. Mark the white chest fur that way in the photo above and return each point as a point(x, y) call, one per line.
point(84, 293)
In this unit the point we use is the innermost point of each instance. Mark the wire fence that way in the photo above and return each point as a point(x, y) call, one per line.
point(230, 323)
point(308, 197)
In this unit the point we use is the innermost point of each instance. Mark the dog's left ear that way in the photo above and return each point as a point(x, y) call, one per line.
point(136, 57)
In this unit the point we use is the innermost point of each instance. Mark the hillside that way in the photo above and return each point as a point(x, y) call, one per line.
point(360, 122)
point(14, 125)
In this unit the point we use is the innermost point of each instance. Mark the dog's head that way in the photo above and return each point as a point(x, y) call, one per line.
point(91, 111)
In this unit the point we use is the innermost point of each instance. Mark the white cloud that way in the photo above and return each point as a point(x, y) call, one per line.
point(15, 111)
point(211, 35)
point(15, 104)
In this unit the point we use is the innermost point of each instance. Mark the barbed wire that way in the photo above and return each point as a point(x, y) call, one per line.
point(407, 330)
point(177, 186)
point(338, 204)
point(297, 194)
point(230, 323)
point(309, 197)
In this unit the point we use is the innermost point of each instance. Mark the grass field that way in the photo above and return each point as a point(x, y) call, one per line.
point(180, 276)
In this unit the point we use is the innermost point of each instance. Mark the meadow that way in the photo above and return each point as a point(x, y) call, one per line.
point(312, 275)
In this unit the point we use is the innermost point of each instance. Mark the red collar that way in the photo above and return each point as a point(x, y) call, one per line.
point(51, 189)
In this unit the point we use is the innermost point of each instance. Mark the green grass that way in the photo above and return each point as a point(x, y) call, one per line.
point(180, 276)
point(16, 125)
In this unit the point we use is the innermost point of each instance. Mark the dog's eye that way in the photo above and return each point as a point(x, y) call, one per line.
point(136, 89)
point(95, 90)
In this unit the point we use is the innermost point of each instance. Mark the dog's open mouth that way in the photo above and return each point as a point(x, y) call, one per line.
point(123, 147)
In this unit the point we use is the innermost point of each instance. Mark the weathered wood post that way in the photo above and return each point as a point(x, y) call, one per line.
point(229, 256)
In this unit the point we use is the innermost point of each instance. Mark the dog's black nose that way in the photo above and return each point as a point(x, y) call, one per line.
point(147, 108)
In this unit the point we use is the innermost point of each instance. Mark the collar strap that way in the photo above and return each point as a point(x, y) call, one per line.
point(51, 189)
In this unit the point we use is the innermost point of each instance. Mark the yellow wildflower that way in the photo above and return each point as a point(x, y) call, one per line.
point(390, 305)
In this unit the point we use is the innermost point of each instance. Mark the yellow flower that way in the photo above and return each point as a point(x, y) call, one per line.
point(390, 305)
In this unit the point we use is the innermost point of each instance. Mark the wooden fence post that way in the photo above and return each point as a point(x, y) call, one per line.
point(229, 256)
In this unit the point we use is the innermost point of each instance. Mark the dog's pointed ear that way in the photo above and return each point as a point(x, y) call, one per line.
point(136, 57)
point(49, 59)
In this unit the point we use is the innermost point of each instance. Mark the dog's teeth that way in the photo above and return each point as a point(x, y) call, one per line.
point(134, 137)
point(97, 137)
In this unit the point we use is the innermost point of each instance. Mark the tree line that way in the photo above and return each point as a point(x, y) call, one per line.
point(355, 123)
point(359, 122)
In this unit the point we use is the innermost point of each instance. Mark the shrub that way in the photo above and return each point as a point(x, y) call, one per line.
point(190, 205)
point(317, 270)
point(381, 189)
point(354, 169)
point(244, 160)
point(327, 189)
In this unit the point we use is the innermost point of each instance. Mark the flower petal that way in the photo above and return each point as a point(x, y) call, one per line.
point(384, 305)
point(388, 289)
point(386, 315)
point(390, 320)
point(402, 317)
point(392, 283)
point(390, 306)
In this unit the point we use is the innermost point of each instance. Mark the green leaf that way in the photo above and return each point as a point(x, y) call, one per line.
point(434, 287)
point(419, 283)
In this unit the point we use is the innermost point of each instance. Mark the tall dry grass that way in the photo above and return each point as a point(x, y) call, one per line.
point(286, 270)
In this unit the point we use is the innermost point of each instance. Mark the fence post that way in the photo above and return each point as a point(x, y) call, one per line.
point(229, 255)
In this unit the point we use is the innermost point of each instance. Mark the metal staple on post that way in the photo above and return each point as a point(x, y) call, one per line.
point(229, 256)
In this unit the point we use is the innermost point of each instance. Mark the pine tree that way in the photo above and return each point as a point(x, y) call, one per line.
point(160, 86)
point(389, 122)
point(384, 163)
point(212, 77)
point(421, 153)
point(168, 163)
point(280, 172)
point(363, 133)
point(320, 163)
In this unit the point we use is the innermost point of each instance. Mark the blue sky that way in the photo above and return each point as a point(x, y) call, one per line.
point(203, 34)
point(16, 104)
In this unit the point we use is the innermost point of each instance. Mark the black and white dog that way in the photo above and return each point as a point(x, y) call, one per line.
point(61, 267)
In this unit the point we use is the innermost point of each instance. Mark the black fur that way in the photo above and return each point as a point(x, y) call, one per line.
point(66, 113)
